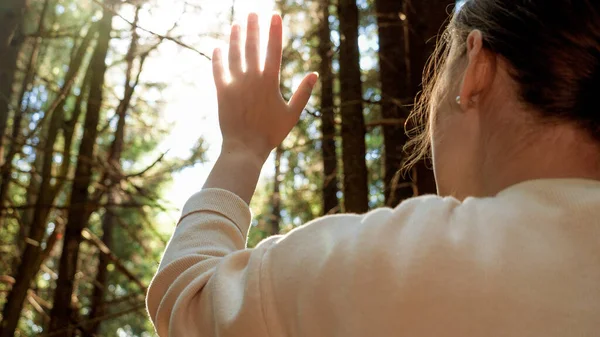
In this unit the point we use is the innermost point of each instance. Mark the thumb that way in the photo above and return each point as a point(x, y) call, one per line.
point(303, 93)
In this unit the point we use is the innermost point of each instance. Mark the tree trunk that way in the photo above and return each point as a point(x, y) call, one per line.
point(98, 306)
point(68, 131)
point(30, 259)
point(11, 38)
point(396, 90)
point(356, 192)
point(275, 218)
point(330, 181)
point(426, 19)
point(16, 143)
point(61, 313)
point(112, 177)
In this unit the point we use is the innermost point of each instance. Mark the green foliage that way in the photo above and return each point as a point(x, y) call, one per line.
point(138, 244)
point(145, 171)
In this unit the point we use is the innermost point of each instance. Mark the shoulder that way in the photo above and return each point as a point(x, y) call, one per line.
point(417, 224)
point(428, 208)
point(426, 211)
point(384, 257)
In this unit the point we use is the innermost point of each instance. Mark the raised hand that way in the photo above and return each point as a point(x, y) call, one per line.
point(252, 113)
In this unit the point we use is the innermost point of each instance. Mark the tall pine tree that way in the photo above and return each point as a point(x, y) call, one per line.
point(356, 192)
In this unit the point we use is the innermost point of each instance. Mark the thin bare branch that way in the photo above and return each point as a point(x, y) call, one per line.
point(138, 307)
point(165, 37)
point(386, 121)
point(142, 172)
point(92, 238)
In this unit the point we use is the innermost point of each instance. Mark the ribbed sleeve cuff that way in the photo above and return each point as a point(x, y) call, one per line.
point(222, 202)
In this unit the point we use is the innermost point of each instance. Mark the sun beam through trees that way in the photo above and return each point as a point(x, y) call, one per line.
point(107, 112)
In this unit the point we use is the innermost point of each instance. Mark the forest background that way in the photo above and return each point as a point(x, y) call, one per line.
point(108, 123)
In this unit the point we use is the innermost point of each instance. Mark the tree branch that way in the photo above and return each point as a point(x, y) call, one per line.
point(160, 36)
point(141, 173)
point(386, 122)
point(92, 238)
point(59, 332)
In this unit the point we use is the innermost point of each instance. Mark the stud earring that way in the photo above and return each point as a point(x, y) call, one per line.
point(458, 99)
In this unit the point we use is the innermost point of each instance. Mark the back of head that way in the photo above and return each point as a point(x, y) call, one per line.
point(552, 47)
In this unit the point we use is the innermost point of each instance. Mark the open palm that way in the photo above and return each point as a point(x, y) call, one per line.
point(252, 112)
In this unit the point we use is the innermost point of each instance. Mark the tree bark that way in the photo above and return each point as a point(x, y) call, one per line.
point(330, 181)
point(356, 192)
point(396, 90)
point(275, 218)
point(62, 311)
point(426, 19)
point(30, 259)
point(16, 143)
point(11, 39)
point(112, 177)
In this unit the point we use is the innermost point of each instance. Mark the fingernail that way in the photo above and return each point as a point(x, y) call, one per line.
point(252, 17)
point(276, 20)
point(314, 80)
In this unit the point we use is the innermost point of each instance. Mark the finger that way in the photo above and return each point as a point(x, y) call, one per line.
point(218, 72)
point(274, 50)
point(235, 52)
point(302, 95)
point(252, 44)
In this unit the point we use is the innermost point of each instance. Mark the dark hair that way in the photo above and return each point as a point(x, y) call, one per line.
point(553, 47)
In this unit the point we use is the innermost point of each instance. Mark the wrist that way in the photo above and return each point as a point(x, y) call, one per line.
point(239, 157)
point(241, 151)
point(236, 171)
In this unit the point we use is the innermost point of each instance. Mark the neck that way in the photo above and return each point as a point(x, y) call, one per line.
point(562, 152)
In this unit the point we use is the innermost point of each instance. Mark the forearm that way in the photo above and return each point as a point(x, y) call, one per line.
point(237, 170)
point(212, 232)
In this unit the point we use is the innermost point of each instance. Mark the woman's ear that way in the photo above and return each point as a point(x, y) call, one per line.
point(479, 73)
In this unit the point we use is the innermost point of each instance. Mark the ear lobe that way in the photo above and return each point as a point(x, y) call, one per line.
point(479, 71)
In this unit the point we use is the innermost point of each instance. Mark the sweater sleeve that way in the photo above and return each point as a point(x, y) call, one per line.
point(302, 283)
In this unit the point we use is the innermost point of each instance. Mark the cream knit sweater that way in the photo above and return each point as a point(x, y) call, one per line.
point(523, 263)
